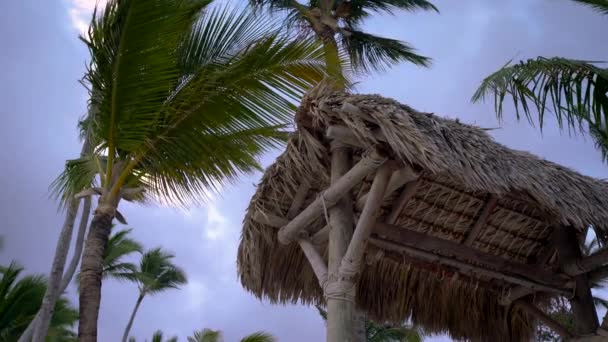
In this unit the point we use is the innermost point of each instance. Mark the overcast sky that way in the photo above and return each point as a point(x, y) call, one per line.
point(41, 61)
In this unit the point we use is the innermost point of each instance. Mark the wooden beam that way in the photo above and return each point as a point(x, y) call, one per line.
point(439, 270)
point(408, 192)
point(350, 265)
point(269, 219)
point(298, 200)
point(514, 294)
point(587, 264)
point(543, 317)
point(321, 236)
point(316, 261)
point(463, 266)
point(399, 178)
point(520, 291)
point(481, 220)
point(581, 302)
point(330, 196)
point(429, 243)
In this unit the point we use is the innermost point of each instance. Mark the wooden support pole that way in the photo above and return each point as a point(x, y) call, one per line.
point(350, 265)
point(316, 261)
point(583, 308)
point(340, 188)
point(543, 317)
point(432, 244)
point(406, 194)
point(340, 310)
point(481, 221)
point(463, 266)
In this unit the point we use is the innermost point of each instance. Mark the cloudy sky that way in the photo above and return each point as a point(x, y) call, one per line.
point(41, 61)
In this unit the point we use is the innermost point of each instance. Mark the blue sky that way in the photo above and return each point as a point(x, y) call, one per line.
point(42, 61)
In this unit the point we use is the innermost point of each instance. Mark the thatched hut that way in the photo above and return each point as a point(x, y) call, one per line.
point(454, 231)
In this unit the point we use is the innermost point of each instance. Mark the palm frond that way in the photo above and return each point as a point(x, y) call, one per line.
point(133, 47)
point(259, 336)
point(322, 312)
point(576, 90)
point(238, 102)
point(598, 5)
point(373, 53)
point(206, 335)
point(79, 174)
point(357, 10)
point(600, 137)
point(157, 273)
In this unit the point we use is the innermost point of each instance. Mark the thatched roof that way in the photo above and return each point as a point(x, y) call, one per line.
point(460, 167)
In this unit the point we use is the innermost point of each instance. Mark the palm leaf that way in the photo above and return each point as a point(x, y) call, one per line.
point(259, 336)
point(598, 5)
point(374, 53)
point(157, 273)
point(135, 65)
point(361, 9)
point(78, 175)
point(206, 335)
point(576, 91)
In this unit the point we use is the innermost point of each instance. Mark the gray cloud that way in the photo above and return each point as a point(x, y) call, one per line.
point(42, 60)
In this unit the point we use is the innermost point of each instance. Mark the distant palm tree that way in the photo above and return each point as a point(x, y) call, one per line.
point(180, 104)
point(575, 91)
point(20, 300)
point(157, 337)
point(208, 335)
point(119, 247)
point(337, 24)
point(375, 332)
point(156, 273)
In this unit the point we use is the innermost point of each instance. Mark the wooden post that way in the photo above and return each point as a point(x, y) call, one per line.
point(340, 323)
point(585, 316)
point(360, 332)
point(339, 188)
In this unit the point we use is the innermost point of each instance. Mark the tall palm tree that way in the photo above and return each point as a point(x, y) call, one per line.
point(182, 105)
point(20, 299)
point(156, 273)
point(575, 91)
point(338, 25)
point(208, 335)
point(375, 332)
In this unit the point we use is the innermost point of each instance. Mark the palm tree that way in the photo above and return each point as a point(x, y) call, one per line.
point(182, 105)
point(20, 300)
point(337, 24)
point(575, 91)
point(375, 332)
point(157, 337)
point(208, 335)
point(156, 273)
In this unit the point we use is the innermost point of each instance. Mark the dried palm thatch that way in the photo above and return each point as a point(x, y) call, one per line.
point(460, 167)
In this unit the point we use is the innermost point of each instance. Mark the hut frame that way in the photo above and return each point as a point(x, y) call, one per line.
point(348, 250)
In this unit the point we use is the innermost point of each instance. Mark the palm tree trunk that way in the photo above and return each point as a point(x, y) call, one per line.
point(128, 328)
point(53, 290)
point(69, 273)
point(91, 272)
point(332, 58)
